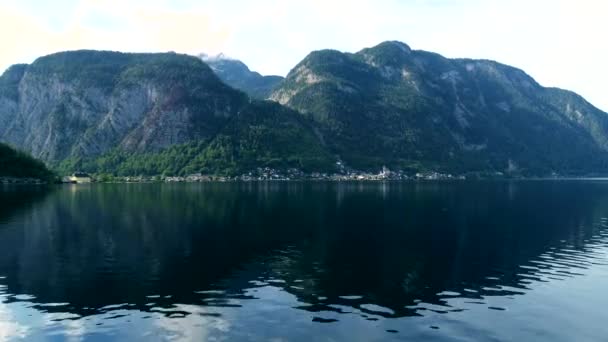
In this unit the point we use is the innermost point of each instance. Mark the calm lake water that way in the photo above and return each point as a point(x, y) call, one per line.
point(466, 261)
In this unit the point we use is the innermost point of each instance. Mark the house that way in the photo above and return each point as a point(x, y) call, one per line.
point(80, 177)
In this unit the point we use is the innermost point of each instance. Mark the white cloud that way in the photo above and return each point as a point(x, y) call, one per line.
point(108, 25)
point(10, 328)
point(194, 327)
point(559, 42)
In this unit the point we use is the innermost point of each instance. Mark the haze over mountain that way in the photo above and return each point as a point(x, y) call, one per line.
point(387, 105)
point(237, 75)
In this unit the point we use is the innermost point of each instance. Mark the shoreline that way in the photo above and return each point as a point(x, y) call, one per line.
point(304, 180)
point(22, 181)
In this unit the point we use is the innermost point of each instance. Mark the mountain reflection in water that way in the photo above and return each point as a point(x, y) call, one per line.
point(295, 261)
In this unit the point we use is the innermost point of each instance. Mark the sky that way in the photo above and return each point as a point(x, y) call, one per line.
point(561, 43)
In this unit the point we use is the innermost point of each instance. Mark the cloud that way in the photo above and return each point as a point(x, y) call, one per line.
point(559, 42)
point(196, 326)
point(18, 46)
point(95, 24)
point(10, 328)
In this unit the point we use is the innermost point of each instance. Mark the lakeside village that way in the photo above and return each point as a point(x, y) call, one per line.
point(268, 174)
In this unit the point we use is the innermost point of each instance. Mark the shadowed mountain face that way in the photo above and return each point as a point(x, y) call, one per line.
point(390, 104)
point(16, 164)
point(236, 74)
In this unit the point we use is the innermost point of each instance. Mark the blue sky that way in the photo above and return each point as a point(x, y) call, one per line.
point(559, 42)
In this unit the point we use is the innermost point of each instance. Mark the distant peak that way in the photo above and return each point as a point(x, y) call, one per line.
point(401, 45)
point(389, 53)
point(213, 58)
point(394, 44)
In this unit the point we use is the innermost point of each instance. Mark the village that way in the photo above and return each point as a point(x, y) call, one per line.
point(267, 174)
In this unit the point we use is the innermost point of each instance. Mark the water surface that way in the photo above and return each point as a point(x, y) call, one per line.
point(437, 261)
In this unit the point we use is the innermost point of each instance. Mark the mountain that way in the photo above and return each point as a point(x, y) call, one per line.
point(83, 103)
point(18, 164)
point(388, 105)
point(263, 134)
point(84, 108)
point(237, 75)
point(414, 109)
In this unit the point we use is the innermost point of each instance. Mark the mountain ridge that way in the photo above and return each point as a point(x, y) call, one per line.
point(388, 105)
point(443, 112)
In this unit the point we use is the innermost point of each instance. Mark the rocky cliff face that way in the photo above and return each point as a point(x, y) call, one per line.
point(391, 104)
point(83, 103)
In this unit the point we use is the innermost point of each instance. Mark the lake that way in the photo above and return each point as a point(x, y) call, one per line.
point(305, 261)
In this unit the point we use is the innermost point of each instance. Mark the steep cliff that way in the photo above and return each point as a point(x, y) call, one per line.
point(84, 103)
